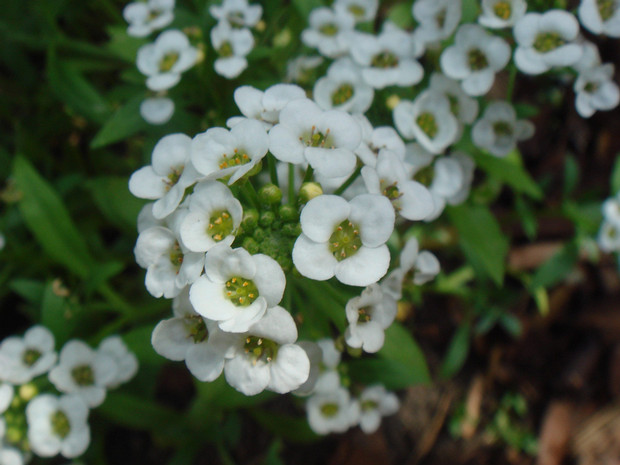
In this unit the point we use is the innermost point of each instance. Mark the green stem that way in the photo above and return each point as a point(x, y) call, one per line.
point(251, 194)
point(273, 173)
point(115, 300)
point(291, 184)
point(511, 82)
point(349, 181)
point(308, 175)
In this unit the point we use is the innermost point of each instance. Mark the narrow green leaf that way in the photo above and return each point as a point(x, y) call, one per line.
point(571, 175)
point(58, 315)
point(457, 352)
point(139, 413)
point(509, 171)
point(400, 347)
point(29, 289)
point(481, 239)
point(390, 373)
point(123, 45)
point(48, 219)
point(556, 268)
point(293, 429)
point(125, 122)
point(113, 198)
point(615, 177)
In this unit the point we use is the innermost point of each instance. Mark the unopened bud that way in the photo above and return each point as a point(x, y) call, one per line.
point(250, 220)
point(250, 245)
point(270, 194)
point(288, 213)
point(309, 190)
point(392, 101)
point(28, 391)
point(266, 219)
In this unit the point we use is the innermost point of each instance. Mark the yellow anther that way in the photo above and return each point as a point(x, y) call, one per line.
point(248, 340)
point(350, 224)
point(356, 232)
point(269, 359)
point(245, 283)
point(354, 247)
point(234, 280)
point(217, 237)
point(241, 299)
point(260, 341)
point(336, 244)
point(225, 215)
point(229, 293)
point(339, 228)
point(251, 296)
point(210, 225)
point(219, 220)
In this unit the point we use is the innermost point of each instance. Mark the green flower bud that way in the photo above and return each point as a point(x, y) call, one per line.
point(254, 171)
point(250, 245)
point(291, 229)
point(259, 234)
point(250, 220)
point(270, 194)
point(309, 190)
point(266, 219)
point(288, 213)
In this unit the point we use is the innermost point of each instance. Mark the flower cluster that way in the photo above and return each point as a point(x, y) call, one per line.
point(47, 423)
point(609, 234)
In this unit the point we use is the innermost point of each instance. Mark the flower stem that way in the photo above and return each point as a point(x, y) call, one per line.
point(273, 174)
point(349, 181)
point(291, 184)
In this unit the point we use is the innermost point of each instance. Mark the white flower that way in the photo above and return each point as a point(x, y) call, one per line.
point(361, 10)
point(464, 107)
point(84, 372)
point(596, 90)
point(546, 40)
point(410, 199)
point(220, 153)
point(57, 425)
point(232, 45)
point(590, 58)
point(498, 131)
point(375, 402)
point(10, 456)
point(6, 397)
point(332, 411)
point(375, 139)
point(157, 110)
point(214, 216)
point(369, 315)
point(23, 358)
point(315, 357)
point(609, 237)
point(437, 19)
point(428, 119)
point(611, 210)
point(388, 58)
point(298, 69)
point(164, 60)
point(188, 336)
point(343, 88)
point(474, 58)
point(126, 361)
point(237, 287)
point(169, 174)
point(266, 356)
point(237, 12)
point(328, 32)
point(467, 167)
point(264, 106)
point(600, 16)
point(146, 17)
point(170, 266)
point(324, 139)
point(345, 239)
point(498, 14)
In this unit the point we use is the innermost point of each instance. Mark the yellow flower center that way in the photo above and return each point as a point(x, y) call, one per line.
point(427, 122)
point(345, 241)
point(240, 291)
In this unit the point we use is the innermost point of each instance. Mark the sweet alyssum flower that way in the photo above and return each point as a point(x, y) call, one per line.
point(361, 10)
point(232, 45)
point(23, 358)
point(238, 13)
point(237, 288)
point(299, 68)
point(85, 372)
point(369, 315)
point(546, 40)
point(164, 60)
point(375, 402)
point(57, 425)
point(600, 16)
point(609, 237)
point(10, 456)
point(375, 139)
point(437, 19)
point(474, 58)
point(324, 139)
point(464, 107)
point(596, 90)
point(190, 337)
point(427, 119)
point(220, 153)
point(498, 14)
point(149, 16)
point(345, 239)
point(214, 217)
point(343, 88)
point(157, 110)
point(126, 361)
point(266, 356)
point(264, 106)
point(332, 411)
point(328, 32)
point(169, 174)
point(410, 199)
point(388, 58)
point(498, 131)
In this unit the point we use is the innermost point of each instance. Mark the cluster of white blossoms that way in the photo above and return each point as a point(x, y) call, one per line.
point(305, 184)
point(609, 234)
point(232, 38)
point(51, 423)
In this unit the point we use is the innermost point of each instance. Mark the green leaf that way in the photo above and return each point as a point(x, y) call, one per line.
point(470, 11)
point(400, 347)
point(29, 289)
point(125, 122)
point(457, 352)
point(556, 268)
point(510, 171)
point(571, 175)
point(293, 429)
point(48, 219)
point(481, 239)
point(400, 14)
point(112, 197)
point(390, 373)
point(74, 90)
point(304, 7)
point(123, 45)
point(139, 413)
point(58, 315)
point(615, 177)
